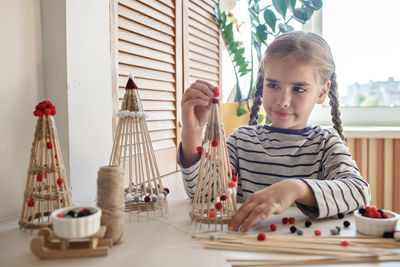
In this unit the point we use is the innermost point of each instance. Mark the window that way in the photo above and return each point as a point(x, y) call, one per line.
point(365, 49)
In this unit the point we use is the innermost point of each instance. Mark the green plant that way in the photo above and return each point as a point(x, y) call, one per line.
point(266, 22)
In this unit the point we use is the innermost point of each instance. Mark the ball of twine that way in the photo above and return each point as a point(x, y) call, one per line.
point(110, 199)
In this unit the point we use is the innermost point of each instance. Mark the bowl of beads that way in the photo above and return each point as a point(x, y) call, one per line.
point(375, 222)
point(76, 222)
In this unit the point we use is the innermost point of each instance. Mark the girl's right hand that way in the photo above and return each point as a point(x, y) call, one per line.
point(196, 106)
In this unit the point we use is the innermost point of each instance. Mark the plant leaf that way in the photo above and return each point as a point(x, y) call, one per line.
point(285, 28)
point(314, 4)
point(291, 4)
point(280, 6)
point(262, 32)
point(240, 111)
point(300, 14)
point(270, 18)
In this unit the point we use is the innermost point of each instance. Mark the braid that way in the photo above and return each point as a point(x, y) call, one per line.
point(334, 103)
point(255, 108)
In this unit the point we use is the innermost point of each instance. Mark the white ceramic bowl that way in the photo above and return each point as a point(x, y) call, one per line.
point(374, 226)
point(76, 227)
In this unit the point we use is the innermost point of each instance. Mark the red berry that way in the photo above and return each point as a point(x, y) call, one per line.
point(60, 181)
point(223, 198)
point(60, 215)
point(49, 145)
point(292, 220)
point(146, 199)
point(232, 184)
point(261, 237)
point(31, 203)
point(285, 220)
point(218, 205)
point(273, 227)
point(345, 243)
point(234, 178)
point(317, 232)
point(211, 214)
point(39, 177)
point(214, 143)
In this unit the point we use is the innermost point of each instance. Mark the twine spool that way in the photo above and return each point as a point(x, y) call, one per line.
point(110, 199)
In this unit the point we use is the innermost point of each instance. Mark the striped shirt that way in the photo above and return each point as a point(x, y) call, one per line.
point(262, 155)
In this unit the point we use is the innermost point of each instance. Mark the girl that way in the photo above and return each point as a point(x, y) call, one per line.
point(287, 161)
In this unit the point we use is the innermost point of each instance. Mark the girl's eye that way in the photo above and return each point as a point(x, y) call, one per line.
point(299, 89)
point(272, 85)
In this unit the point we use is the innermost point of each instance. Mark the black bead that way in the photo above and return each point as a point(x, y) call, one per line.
point(307, 223)
point(72, 213)
point(346, 224)
point(338, 229)
point(362, 211)
point(293, 229)
point(83, 213)
point(388, 234)
point(340, 215)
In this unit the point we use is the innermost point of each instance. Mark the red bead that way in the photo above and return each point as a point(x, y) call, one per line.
point(166, 190)
point(345, 243)
point(292, 220)
point(60, 181)
point(261, 237)
point(146, 199)
point(215, 100)
point(232, 184)
point(285, 220)
point(49, 145)
point(61, 200)
point(223, 198)
point(39, 177)
point(377, 215)
point(53, 111)
point(38, 113)
point(317, 232)
point(41, 105)
point(214, 143)
point(60, 215)
point(385, 215)
point(47, 111)
point(199, 149)
point(45, 175)
point(211, 214)
point(216, 91)
point(218, 205)
point(30, 203)
point(273, 227)
point(234, 178)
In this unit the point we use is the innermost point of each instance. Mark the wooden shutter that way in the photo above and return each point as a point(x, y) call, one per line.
point(146, 41)
point(167, 45)
point(201, 38)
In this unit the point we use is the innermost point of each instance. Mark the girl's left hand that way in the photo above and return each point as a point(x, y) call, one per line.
point(274, 199)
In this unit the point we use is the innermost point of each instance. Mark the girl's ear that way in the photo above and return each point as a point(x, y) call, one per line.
point(324, 92)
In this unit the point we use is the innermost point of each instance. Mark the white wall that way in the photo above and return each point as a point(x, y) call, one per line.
point(57, 50)
point(20, 91)
point(89, 94)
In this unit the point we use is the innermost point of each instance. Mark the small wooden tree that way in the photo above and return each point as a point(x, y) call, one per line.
point(214, 201)
point(46, 186)
point(133, 150)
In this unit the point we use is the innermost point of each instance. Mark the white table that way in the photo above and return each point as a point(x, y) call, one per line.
point(166, 241)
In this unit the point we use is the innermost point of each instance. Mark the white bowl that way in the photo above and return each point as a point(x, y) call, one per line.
point(76, 227)
point(374, 226)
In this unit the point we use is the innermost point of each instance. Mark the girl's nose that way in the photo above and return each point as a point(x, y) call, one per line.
point(284, 99)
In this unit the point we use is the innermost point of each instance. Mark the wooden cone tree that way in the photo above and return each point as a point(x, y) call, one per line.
point(133, 150)
point(214, 201)
point(46, 186)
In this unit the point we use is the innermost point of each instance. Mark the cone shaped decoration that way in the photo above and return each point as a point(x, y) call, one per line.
point(134, 151)
point(214, 201)
point(46, 186)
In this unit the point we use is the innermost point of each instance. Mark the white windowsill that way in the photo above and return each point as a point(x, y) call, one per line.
point(371, 132)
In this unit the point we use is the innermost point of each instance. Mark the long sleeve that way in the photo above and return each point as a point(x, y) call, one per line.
point(341, 189)
point(189, 174)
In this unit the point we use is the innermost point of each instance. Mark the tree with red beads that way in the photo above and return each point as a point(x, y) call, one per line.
point(214, 201)
point(46, 186)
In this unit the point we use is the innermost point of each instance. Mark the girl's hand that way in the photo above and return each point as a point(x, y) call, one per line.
point(274, 199)
point(196, 106)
